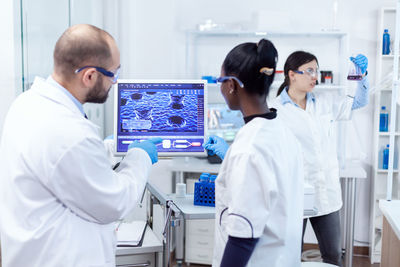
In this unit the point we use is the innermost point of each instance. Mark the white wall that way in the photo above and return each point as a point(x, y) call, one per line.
point(8, 74)
point(152, 42)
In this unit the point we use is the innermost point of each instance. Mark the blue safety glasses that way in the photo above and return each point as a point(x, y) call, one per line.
point(310, 71)
point(113, 75)
point(225, 78)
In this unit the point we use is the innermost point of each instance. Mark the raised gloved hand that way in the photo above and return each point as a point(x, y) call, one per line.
point(361, 61)
point(216, 145)
point(149, 146)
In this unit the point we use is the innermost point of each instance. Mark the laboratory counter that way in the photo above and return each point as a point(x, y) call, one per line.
point(391, 233)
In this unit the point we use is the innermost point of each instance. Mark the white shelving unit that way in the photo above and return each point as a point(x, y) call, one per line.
point(385, 182)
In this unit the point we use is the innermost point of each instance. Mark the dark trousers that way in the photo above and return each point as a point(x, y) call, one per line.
point(327, 231)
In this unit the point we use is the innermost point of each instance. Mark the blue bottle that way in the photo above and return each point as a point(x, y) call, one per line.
point(386, 42)
point(383, 120)
point(385, 164)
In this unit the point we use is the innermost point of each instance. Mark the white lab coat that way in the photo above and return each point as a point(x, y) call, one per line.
point(259, 194)
point(59, 198)
point(315, 128)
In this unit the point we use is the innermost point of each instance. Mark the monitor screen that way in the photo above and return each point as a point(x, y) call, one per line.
point(174, 110)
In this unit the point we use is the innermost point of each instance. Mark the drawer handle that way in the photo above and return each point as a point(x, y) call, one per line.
point(202, 243)
point(203, 230)
point(135, 265)
point(202, 256)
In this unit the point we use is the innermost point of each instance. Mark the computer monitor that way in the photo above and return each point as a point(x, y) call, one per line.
point(174, 110)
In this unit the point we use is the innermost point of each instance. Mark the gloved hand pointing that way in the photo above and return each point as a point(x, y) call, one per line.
point(216, 145)
point(361, 61)
point(149, 146)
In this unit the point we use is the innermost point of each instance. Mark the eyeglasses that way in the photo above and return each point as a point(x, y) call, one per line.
point(113, 75)
point(310, 71)
point(225, 78)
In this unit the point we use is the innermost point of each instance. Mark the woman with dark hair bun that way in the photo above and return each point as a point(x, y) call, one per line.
point(259, 189)
point(311, 116)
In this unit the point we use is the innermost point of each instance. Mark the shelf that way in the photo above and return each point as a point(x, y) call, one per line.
point(387, 56)
point(215, 131)
point(328, 87)
point(276, 84)
point(388, 133)
point(386, 171)
point(388, 9)
point(213, 85)
point(380, 196)
point(383, 196)
point(227, 33)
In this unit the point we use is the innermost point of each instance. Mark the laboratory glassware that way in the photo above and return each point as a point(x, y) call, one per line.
point(180, 189)
point(354, 73)
point(326, 77)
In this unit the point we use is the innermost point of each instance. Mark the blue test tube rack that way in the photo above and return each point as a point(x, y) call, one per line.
point(204, 190)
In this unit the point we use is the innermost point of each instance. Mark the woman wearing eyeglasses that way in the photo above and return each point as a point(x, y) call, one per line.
point(259, 189)
point(311, 116)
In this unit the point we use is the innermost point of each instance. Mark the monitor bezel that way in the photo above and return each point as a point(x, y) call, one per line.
point(161, 154)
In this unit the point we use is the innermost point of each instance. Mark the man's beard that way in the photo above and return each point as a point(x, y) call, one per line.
point(97, 94)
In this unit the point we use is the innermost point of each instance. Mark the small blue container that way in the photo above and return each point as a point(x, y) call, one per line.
point(385, 164)
point(204, 177)
point(386, 42)
point(213, 178)
point(204, 190)
point(383, 120)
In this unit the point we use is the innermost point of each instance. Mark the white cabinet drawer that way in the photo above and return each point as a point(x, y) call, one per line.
point(200, 241)
point(198, 255)
point(200, 227)
point(137, 260)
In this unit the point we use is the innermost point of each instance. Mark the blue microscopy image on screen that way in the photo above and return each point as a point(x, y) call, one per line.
point(156, 111)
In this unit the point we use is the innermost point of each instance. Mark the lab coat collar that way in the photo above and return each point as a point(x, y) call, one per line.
point(285, 98)
point(269, 116)
point(48, 90)
point(53, 82)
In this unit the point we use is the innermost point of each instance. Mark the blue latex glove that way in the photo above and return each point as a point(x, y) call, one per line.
point(361, 61)
point(216, 145)
point(149, 146)
point(110, 137)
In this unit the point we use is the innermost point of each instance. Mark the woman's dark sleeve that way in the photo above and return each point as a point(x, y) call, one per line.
point(238, 251)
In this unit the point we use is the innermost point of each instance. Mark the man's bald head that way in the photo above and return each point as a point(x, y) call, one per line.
point(82, 45)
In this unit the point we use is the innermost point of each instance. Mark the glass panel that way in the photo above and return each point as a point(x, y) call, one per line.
point(87, 11)
point(43, 21)
point(224, 122)
point(90, 12)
